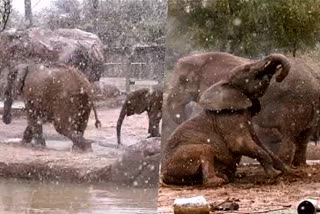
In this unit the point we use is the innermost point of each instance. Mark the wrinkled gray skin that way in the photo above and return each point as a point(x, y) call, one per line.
point(139, 165)
point(52, 93)
point(288, 110)
point(207, 148)
point(70, 46)
point(139, 101)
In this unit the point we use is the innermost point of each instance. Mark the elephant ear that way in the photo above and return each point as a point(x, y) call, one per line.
point(222, 96)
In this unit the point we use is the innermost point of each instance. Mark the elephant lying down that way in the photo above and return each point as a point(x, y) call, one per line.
point(207, 148)
point(52, 93)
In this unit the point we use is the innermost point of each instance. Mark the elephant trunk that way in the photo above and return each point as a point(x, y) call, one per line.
point(272, 61)
point(122, 115)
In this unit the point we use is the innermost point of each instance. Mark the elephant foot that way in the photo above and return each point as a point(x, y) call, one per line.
point(85, 147)
point(41, 142)
point(214, 182)
point(272, 173)
point(153, 135)
point(224, 177)
point(299, 163)
point(26, 143)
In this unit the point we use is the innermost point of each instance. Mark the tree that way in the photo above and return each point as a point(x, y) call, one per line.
point(295, 23)
point(5, 11)
point(28, 12)
point(248, 27)
point(62, 14)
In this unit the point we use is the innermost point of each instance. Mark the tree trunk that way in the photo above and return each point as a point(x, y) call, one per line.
point(95, 14)
point(294, 49)
point(28, 13)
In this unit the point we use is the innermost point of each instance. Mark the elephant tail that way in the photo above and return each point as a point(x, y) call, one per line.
point(8, 93)
point(122, 115)
point(97, 123)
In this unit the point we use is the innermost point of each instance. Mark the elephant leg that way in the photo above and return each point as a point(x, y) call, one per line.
point(71, 122)
point(191, 164)
point(154, 121)
point(286, 150)
point(277, 162)
point(80, 143)
point(301, 144)
point(38, 134)
point(248, 147)
point(300, 158)
point(27, 134)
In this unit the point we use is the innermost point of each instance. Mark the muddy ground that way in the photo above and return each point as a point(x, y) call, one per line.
point(254, 192)
point(57, 161)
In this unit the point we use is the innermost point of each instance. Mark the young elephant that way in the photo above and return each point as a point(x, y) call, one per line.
point(142, 100)
point(52, 93)
point(207, 148)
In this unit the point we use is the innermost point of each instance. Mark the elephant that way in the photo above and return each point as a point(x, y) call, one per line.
point(139, 101)
point(74, 47)
point(54, 93)
point(288, 110)
point(219, 135)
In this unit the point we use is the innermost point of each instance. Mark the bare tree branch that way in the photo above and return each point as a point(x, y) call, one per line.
point(5, 11)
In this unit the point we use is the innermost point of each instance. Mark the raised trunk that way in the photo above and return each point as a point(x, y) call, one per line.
point(278, 59)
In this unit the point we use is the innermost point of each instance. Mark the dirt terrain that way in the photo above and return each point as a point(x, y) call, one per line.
point(253, 191)
point(57, 161)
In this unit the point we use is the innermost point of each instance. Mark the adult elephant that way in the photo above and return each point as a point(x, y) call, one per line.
point(52, 93)
point(288, 110)
point(78, 48)
point(143, 100)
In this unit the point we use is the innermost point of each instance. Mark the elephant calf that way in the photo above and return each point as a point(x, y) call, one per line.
point(139, 101)
point(207, 148)
point(52, 93)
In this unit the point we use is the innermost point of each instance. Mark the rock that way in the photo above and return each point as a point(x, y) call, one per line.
point(73, 47)
point(139, 165)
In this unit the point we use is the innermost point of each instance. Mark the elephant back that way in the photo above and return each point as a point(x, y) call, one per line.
point(295, 99)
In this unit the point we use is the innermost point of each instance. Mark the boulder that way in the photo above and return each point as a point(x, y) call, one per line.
point(74, 47)
point(139, 165)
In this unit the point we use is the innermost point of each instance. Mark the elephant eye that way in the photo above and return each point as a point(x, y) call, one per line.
point(183, 79)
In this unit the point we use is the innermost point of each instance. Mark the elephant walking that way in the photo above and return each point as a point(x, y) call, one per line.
point(207, 148)
point(52, 93)
point(139, 101)
point(288, 110)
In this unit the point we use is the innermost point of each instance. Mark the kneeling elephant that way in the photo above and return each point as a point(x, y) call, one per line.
point(207, 148)
point(289, 110)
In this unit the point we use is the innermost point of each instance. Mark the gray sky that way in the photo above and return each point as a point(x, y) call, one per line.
point(37, 5)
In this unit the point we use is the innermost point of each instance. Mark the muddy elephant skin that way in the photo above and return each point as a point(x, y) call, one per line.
point(288, 110)
point(52, 93)
point(223, 131)
point(139, 101)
